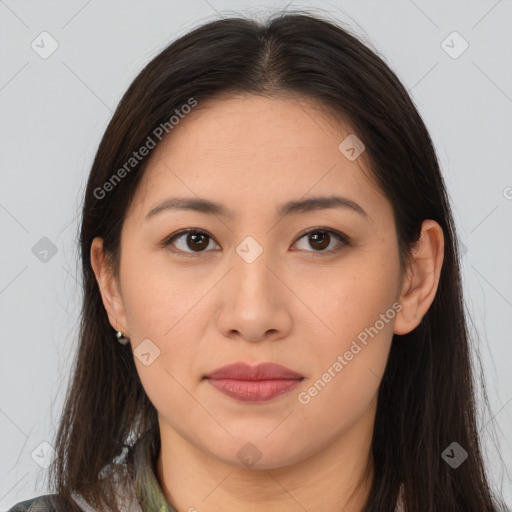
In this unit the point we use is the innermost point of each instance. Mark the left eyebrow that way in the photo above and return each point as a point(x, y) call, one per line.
point(319, 203)
point(289, 208)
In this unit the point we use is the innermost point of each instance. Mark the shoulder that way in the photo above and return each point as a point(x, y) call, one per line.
point(39, 504)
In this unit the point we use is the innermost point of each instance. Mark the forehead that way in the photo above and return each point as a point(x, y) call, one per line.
point(240, 123)
point(252, 151)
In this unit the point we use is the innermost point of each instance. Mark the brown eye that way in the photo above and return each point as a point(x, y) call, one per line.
point(197, 241)
point(194, 241)
point(320, 239)
point(190, 241)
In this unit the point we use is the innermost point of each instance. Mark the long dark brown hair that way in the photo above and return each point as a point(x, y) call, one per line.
point(426, 397)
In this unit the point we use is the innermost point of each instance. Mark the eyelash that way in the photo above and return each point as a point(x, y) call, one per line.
point(344, 239)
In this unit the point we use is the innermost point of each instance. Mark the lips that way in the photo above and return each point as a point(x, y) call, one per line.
point(254, 383)
point(263, 371)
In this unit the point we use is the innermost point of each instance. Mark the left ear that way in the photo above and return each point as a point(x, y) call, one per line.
point(420, 283)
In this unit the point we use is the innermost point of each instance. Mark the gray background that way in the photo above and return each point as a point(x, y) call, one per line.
point(54, 112)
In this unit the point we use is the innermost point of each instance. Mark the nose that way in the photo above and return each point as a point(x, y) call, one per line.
point(254, 302)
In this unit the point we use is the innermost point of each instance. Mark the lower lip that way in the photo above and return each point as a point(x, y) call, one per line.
point(254, 390)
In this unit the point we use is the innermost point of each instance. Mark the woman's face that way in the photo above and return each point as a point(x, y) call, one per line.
point(250, 285)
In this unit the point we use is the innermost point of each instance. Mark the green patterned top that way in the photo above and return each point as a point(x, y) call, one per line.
point(145, 494)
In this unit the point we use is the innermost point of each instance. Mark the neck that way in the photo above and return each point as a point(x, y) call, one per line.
point(337, 478)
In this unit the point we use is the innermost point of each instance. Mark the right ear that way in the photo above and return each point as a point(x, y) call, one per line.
point(109, 287)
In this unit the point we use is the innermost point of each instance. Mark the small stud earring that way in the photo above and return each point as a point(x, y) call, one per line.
point(121, 338)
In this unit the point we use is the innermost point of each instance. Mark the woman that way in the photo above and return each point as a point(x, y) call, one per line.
point(266, 229)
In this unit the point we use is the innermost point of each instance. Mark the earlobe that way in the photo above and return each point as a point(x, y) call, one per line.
point(108, 286)
point(422, 277)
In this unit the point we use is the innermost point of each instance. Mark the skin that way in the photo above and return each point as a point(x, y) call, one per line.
point(293, 305)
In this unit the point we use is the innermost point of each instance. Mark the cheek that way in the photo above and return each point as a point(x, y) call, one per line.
point(359, 306)
point(346, 383)
point(353, 297)
point(159, 295)
point(165, 307)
